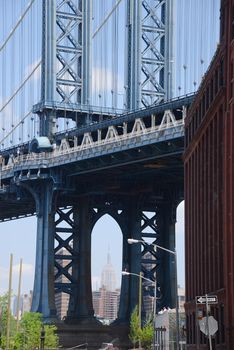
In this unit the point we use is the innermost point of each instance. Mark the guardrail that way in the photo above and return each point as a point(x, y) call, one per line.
point(112, 140)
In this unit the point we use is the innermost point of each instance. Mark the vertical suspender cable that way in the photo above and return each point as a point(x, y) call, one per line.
point(11, 76)
point(179, 35)
point(113, 55)
point(3, 70)
point(117, 56)
point(185, 8)
point(105, 46)
point(201, 40)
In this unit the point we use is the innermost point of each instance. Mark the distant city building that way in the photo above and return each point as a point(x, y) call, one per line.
point(106, 304)
point(181, 298)
point(61, 303)
point(167, 319)
point(25, 304)
point(148, 300)
point(108, 279)
point(62, 299)
point(106, 299)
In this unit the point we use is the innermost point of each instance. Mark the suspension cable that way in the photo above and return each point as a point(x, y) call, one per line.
point(106, 18)
point(16, 25)
point(20, 87)
point(16, 126)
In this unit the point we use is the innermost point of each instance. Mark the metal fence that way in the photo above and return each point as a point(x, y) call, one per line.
point(160, 338)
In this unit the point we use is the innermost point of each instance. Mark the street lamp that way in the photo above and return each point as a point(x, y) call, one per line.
point(126, 273)
point(133, 241)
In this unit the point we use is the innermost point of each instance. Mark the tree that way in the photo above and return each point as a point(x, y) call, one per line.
point(28, 336)
point(3, 321)
point(135, 329)
point(147, 334)
point(29, 331)
point(51, 339)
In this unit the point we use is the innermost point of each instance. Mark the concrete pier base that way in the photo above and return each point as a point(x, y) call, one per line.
point(94, 335)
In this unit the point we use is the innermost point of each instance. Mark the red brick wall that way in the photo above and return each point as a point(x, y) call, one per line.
point(209, 191)
point(228, 228)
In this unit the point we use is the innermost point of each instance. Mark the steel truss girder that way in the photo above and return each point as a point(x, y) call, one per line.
point(69, 50)
point(158, 227)
point(152, 52)
point(149, 67)
point(64, 253)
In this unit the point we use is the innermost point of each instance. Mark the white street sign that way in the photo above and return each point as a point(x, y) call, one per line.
point(212, 324)
point(211, 299)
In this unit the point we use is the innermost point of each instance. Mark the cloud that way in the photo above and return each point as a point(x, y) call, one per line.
point(36, 65)
point(27, 269)
point(101, 76)
point(27, 278)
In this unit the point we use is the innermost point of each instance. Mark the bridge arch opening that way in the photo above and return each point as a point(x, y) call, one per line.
point(106, 266)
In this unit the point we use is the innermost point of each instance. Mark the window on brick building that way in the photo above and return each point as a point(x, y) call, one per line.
point(221, 77)
point(222, 22)
point(231, 80)
point(232, 24)
point(216, 82)
point(211, 90)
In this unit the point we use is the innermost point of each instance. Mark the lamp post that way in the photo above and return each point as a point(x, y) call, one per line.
point(133, 241)
point(42, 338)
point(126, 273)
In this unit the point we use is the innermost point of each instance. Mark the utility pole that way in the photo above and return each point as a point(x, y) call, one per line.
point(207, 323)
point(18, 297)
point(9, 305)
point(140, 299)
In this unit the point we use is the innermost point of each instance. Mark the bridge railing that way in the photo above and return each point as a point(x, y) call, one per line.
point(138, 135)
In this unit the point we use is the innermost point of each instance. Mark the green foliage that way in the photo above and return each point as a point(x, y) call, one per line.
point(3, 302)
point(51, 339)
point(147, 334)
point(135, 330)
point(28, 336)
point(29, 330)
point(3, 321)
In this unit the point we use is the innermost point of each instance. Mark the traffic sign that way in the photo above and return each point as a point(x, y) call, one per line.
point(212, 324)
point(210, 299)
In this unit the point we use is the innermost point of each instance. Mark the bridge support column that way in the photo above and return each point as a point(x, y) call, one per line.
point(131, 262)
point(81, 306)
point(43, 292)
point(166, 273)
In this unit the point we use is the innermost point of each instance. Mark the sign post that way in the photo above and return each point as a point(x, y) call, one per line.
point(209, 320)
point(207, 323)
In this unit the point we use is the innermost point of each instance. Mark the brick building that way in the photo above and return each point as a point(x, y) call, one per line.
point(209, 192)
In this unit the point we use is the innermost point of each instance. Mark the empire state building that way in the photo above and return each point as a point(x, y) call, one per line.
point(108, 278)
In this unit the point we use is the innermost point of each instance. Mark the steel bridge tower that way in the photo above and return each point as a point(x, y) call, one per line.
point(60, 210)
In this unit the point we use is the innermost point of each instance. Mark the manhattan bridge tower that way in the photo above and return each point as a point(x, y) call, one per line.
point(66, 93)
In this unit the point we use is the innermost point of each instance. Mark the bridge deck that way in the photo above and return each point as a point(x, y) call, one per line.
point(129, 154)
